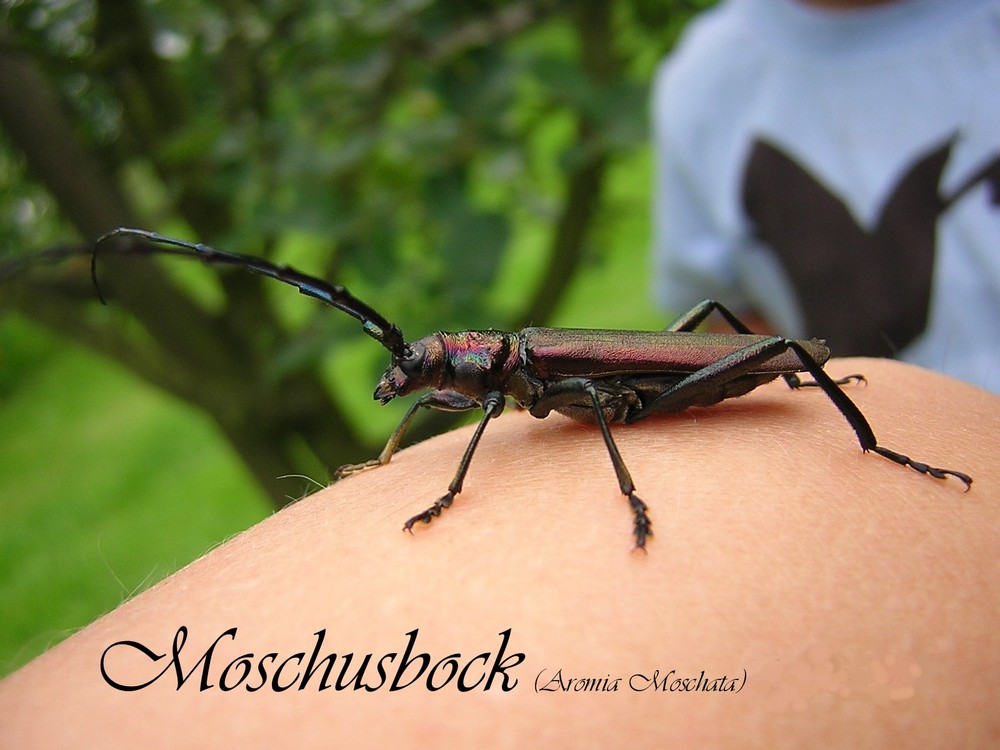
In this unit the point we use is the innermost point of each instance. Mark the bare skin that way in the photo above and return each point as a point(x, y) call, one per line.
point(860, 597)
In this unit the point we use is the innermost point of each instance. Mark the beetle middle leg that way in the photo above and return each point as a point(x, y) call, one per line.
point(566, 394)
point(687, 322)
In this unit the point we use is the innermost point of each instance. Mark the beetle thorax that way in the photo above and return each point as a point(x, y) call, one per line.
point(478, 362)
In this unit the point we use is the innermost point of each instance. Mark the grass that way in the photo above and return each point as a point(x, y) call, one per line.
point(106, 486)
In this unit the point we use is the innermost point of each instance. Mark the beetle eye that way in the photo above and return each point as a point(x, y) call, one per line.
point(413, 364)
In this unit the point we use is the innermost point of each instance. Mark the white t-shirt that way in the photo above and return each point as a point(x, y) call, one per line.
point(839, 171)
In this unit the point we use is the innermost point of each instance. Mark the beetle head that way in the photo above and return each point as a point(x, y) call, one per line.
point(419, 367)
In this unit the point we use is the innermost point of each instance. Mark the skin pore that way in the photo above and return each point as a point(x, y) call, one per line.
point(855, 600)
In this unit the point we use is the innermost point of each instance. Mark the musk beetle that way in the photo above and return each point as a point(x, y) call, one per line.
point(593, 376)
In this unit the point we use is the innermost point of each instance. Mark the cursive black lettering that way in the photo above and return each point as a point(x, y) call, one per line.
point(398, 670)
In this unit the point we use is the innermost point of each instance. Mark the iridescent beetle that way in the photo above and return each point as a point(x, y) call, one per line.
point(589, 375)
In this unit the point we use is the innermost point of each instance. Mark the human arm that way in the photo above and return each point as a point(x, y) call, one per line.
point(859, 596)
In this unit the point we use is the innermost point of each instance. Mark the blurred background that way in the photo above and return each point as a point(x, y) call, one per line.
point(455, 164)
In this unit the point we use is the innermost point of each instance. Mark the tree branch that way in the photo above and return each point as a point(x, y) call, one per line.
point(585, 181)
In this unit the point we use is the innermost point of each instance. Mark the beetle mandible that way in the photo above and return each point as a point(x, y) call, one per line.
point(594, 376)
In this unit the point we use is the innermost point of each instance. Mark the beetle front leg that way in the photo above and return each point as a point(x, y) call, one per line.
point(567, 392)
point(440, 400)
point(493, 404)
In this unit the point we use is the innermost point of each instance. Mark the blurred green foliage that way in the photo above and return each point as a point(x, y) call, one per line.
point(455, 164)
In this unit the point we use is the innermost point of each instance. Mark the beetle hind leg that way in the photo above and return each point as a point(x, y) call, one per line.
point(694, 317)
point(740, 362)
point(923, 468)
point(865, 434)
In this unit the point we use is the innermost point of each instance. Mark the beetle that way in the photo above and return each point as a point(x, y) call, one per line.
point(597, 376)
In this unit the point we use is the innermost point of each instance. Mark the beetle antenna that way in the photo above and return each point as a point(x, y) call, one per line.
point(387, 334)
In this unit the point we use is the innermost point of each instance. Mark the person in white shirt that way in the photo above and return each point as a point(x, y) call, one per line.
point(833, 168)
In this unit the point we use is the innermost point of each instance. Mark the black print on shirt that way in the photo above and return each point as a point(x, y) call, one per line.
point(865, 290)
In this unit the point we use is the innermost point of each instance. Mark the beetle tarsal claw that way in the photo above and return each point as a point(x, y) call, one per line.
point(432, 512)
point(348, 469)
point(923, 468)
point(795, 382)
point(643, 525)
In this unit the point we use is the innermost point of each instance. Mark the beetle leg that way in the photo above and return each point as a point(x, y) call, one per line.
point(795, 382)
point(440, 400)
point(567, 396)
point(861, 427)
point(568, 392)
point(643, 527)
point(740, 362)
point(694, 317)
point(697, 314)
point(732, 366)
point(493, 404)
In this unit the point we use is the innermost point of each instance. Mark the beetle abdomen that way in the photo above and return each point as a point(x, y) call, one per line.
point(571, 352)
